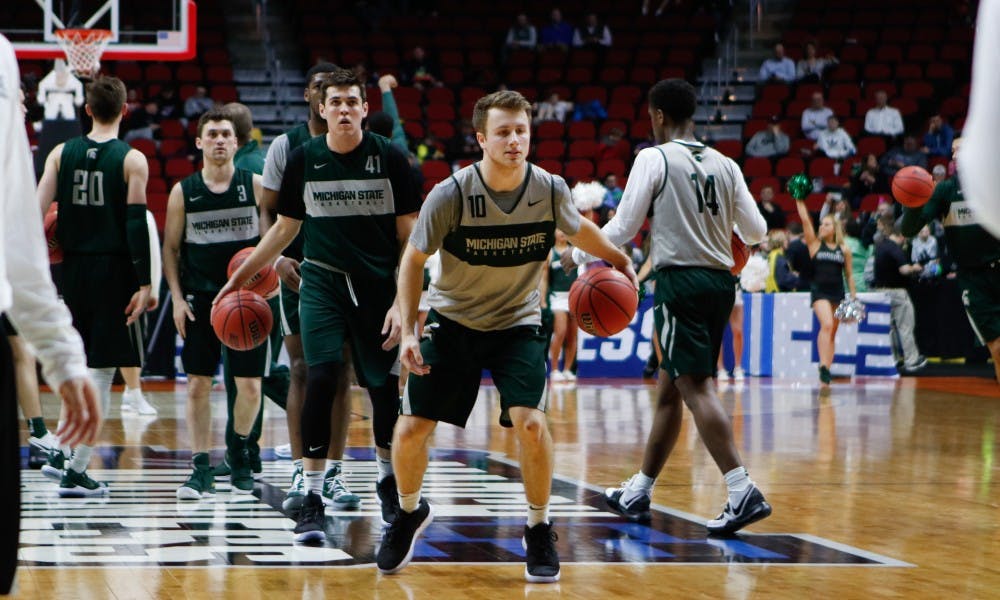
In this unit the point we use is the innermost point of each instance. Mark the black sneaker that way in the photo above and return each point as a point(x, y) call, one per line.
point(309, 526)
point(241, 475)
point(388, 498)
point(634, 509)
point(400, 537)
point(751, 509)
point(223, 469)
point(542, 559)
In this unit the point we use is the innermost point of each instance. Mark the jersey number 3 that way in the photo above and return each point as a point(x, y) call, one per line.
point(88, 187)
point(707, 198)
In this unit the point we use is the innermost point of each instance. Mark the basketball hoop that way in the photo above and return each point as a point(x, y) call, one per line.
point(83, 48)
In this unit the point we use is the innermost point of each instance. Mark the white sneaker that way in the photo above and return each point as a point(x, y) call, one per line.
point(569, 375)
point(46, 443)
point(722, 375)
point(283, 451)
point(134, 401)
point(557, 376)
point(738, 374)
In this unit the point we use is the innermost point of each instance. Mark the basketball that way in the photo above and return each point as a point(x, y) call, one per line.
point(51, 219)
point(242, 320)
point(264, 282)
point(603, 301)
point(741, 253)
point(912, 186)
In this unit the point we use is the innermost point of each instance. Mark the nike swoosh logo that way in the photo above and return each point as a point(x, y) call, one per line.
point(193, 198)
point(320, 165)
point(313, 449)
point(530, 203)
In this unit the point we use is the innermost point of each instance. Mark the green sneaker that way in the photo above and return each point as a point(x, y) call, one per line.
point(296, 494)
point(201, 483)
point(255, 465)
point(223, 469)
point(336, 494)
point(241, 476)
point(53, 469)
point(824, 375)
point(80, 485)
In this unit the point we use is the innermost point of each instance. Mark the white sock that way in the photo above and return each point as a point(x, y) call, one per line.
point(384, 466)
point(81, 458)
point(331, 464)
point(409, 502)
point(739, 483)
point(640, 481)
point(314, 481)
point(297, 464)
point(537, 514)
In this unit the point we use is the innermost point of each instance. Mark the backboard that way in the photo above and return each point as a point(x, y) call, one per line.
point(155, 30)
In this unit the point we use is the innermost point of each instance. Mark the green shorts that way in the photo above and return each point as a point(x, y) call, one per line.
point(334, 308)
point(458, 355)
point(289, 312)
point(96, 289)
point(203, 350)
point(981, 297)
point(691, 309)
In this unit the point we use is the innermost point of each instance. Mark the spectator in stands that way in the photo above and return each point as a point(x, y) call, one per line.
point(133, 102)
point(834, 142)
point(430, 149)
point(883, 119)
point(552, 109)
point(780, 277)
point(798, 257)
point(937, 140)
point(939, 173)
point(780, 68)
point(593, 34)
point(369, 78)
point(769, 142)
point(837, 205)
point(902, 156)
point(521, 35)
point(198, 104)
point(859, 253)
point(558, 33)
point(867, 178)
point(810, 67)
point(924, 252)
point(611, 198)
point(464, 145)
point(614, 145)
point(773, 214)
point(420, 71)
point(893, 271)
point(169, 103)
point(815, 117)
point(142, 123)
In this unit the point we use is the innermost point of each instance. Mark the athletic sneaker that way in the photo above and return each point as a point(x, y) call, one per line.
point(399, 539)
point(241, 475)
point(824, 375)
point(312, 518)
point(222, 470)
point(54, 468)
point(80, 485)
point(557, 376)
point(920, 364)
point(738, 374)
point(336, 494)
point(296, 493)
point(631, 503)
point(752, 508)
point(199, 484)
point(283, 451)
point(542, 559)
point(39, 449)
point(134, 401)
point(569, 375)
point(388, 498)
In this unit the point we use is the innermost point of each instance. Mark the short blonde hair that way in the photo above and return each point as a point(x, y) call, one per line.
point(504, 100)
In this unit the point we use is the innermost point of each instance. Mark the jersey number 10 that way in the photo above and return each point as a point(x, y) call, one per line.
point(708, 197)
point(88, 188)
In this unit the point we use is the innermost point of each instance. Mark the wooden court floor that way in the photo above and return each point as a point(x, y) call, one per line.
point(881, 488)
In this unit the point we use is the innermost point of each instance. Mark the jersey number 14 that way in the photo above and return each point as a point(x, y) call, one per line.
point(707, 198)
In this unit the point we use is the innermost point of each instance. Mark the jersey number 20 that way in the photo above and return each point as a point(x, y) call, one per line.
point(88, 188)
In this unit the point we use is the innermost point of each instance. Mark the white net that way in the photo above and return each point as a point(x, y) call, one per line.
point(83, 48)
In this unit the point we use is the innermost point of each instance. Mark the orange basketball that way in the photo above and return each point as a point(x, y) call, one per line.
point(51, 219)
point(603, 301)
point(912, 186)
point(264, 282)
point(242, 320)
point(741, 253)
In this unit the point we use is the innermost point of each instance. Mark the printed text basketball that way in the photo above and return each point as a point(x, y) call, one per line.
point(265, 282)
point(603, 301)
point(51, 218)
point(242, 320)
point(741, 253)
point(912, 186)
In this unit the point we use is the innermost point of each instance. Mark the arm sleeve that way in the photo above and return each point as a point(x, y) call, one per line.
point(915, 218)
point(137, 234)
point(390, 108)
point(274, 164)
point(438, 216)
point(39, 316)
point(404, 189)
point(748, 219)
point(290, 202)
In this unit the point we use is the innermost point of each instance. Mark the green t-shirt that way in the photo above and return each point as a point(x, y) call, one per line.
point(250, 158)
point(969, 244)
point(92, 197)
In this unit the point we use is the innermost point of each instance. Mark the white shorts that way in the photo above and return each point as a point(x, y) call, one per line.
point(559, 302)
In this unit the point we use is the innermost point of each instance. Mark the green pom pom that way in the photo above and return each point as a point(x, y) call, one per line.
point(799, 186)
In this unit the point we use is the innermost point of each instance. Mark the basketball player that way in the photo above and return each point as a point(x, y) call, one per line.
point(351, 194)
point(32, 303)
point(288, 266)
point(694, 195)
point(211, 215)
point(980, 177)
point(100, 185)
point(250, 157)
point(494, 223)
point(974, 249)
